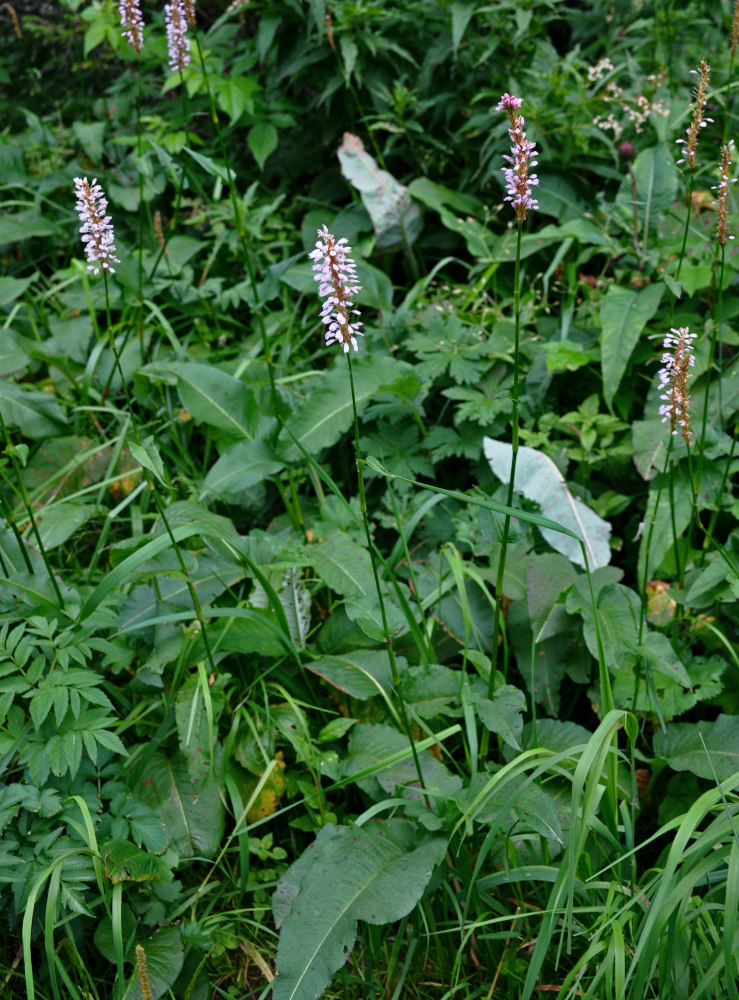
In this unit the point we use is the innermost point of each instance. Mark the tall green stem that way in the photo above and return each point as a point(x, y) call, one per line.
point(380, 598)
point(514, 457)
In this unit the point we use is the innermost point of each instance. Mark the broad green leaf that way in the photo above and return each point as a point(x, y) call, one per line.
point(235, 95)
point(429, 690)
point(192, 813)
point(326, 415)
point(683, 749)
point(262, 140)
point(125, 862)
point(656, 184)
point(396, 218)
point(502, 713)
point(624, 312)
point(650, 439)
point(539, 480)
point(23, 226)
point(384, 753)
point(532, 808)
point(57, 524)
point(547, 577)
point(212, 395)
point(239, 467)
point(211, 166)
point(362, 674)
point(618, 616)
point(343, 565)
point(37, 414)
point(14, 357)
point(10, 290)
point(165, 955)
point(90, 136)
point(461, 14)
point(366, 612)
point(346, 876)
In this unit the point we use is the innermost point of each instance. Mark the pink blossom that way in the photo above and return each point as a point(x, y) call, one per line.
point(518, 179)
point(337, 274)
point(96, 230)
point(178, 44)
point(132, 23)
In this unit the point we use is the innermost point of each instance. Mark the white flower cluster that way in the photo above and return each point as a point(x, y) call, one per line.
point(337, 274)
point(132, 23)
point(178, 44)
point(96, 230)
point(599, 70)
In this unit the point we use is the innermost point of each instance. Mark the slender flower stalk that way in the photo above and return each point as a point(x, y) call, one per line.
point(97, 235)
point(337, 274)
point(518, 179)
point(178, 44)
point(96, 230)
point(518, 184)
point(699, 121)
point(132, 23)
point(735, 30)
point(677, 361)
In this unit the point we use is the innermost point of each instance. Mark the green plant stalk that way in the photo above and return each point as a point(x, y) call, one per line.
point(140, 303)
point(10, 518)
point(514, 457)
point(380, 598)
point(715, 332)
point(10, 452)
point(242, 233)
point(153, 487)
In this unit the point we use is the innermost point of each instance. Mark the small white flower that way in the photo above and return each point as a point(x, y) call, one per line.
point(132, 23)
point(673, 377)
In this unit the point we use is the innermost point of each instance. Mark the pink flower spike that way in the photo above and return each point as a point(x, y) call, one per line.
point(673, 377)
point(96, 230)
point(518, 179)
point(132, 23)
point(509, 103)
point(337, 274)
point(178, 44)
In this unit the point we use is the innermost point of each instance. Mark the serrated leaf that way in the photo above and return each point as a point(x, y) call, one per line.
point(396, 218)
point(624, 312)
point(125, 862)
point(351, 875)
point(539, 480)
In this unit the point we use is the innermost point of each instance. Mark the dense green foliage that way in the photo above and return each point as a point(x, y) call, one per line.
point(292, 701)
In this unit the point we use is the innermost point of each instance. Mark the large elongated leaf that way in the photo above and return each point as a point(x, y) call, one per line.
point(165, 954)
point(395, 217)
point(192, 813)
point(37, 413)
point(212, 395)
point(345, 876)
point(624, 312)
point(539, 479)
point(327, 414)
point(697, 746)
point(502, 713)
point(241, 466)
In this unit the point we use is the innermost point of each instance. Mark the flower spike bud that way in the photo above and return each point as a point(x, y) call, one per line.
point(190, 12)
point(337, 274)
point(132, 23)
point(673, 377)
point(178, 44)
point(96, 230)
point(698, 121)
point(518, 179)
point(735, 29)
point(722, 204)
